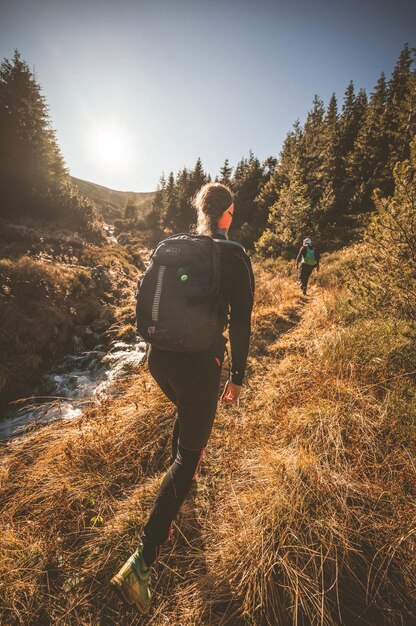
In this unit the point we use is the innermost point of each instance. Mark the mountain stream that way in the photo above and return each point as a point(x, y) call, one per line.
point(77, 380)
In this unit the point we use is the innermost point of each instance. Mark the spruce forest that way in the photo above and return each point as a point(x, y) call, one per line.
point(304, 511)
point(323, 180)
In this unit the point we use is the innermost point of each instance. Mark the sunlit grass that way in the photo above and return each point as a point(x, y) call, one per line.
point(302, 513)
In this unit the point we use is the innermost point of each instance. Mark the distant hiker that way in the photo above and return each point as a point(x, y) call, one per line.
point(308, 258)
point(194, 287)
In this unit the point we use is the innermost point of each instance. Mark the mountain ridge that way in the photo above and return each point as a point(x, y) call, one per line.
point(111, 203)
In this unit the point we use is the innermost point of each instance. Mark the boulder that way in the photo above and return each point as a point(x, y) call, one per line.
point(100, 325)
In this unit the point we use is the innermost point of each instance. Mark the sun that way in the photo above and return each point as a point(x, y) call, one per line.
point(109, 145)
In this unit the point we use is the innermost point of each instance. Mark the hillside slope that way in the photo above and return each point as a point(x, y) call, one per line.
point(111, 203)
point(303, 510)
point(53, 285)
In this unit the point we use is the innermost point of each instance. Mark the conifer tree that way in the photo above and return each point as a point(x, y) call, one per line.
point(198, 178)
point(348, 126)
point(225, 173)
point(33, 178)
point(290, 156)
point(311, 159)
point(247, 176)
point(184, 216)
point(246, 185)
point(327, 206)
point(368, 166)
point(330, 143)
point(159, 200)
point(30, 160)
point(401, 106)
point(329, 167)
point(179, 212)
point(268, 192)
point(290, 218)
point(350, 123)
point(387, 278)
point(279, 175)
point(170, 202)
point(269, 166)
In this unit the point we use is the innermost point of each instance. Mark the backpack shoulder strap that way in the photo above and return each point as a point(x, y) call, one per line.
point(228, 242)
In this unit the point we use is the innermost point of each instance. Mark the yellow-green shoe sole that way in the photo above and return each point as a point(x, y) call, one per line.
point(117, 583)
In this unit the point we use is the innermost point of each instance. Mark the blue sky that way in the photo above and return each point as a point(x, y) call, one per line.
point(139, 87)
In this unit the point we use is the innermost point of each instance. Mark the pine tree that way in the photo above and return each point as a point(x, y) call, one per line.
point(387, 278)
point(280, 172)
point(185, 215)
point(268, 192)
point(170, 202)
point(327, 205)
point(159, 201)
point(178, 212)
point(33, 178)
point(197, 178)
point(225, 173)
point(269, 166)
point(401, 106)
point(312, 161)
point(30, 160)
point(246, 184)
point(348, 127)
point(290, 218)
point(330, 140)
point(350, 123)
point(368, 166)
point(290, 155)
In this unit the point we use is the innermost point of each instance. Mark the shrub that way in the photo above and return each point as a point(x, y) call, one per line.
point(269, 244)
point(386, 277)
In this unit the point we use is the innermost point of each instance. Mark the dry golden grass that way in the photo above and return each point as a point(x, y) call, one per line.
point(303, 512)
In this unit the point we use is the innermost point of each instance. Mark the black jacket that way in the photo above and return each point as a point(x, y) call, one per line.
point(237, 295)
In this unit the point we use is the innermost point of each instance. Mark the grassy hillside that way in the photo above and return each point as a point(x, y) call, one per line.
point(49, 287)
point(302, 514)
point(111, 203)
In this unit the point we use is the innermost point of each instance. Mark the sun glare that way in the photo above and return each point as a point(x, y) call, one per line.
point(110, 146)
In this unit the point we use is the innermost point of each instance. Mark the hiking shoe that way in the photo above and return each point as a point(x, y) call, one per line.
point(132, 582)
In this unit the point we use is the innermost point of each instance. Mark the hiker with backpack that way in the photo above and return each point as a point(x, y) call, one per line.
point(195, 286)
point(308, 258)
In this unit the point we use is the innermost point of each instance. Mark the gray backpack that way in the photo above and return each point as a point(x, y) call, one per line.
point(178, 301)
point(178, 298)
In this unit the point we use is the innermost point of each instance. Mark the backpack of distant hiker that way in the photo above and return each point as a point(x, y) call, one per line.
point(309, 257)
point(178, 302)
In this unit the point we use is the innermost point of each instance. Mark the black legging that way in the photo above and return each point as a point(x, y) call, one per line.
point(304, 275)
point(191, 382)
point(172, 493)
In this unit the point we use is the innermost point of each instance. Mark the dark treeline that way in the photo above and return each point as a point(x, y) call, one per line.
point(34, 182)
point(323, 181)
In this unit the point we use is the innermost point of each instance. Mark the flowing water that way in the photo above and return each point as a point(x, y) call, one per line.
point(77, 380)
